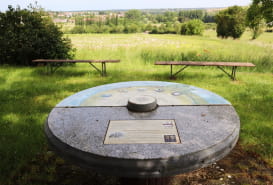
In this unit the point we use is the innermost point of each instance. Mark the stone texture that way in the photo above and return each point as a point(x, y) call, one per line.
point(207, 126)
point(207, 134)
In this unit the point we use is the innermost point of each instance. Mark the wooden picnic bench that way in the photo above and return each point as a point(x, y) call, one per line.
point(219, 65)
point(54, 64)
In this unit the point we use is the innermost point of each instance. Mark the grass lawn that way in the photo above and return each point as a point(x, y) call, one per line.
point(28, 94)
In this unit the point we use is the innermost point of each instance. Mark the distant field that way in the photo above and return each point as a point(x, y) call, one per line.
point(28, 94)
point(147, 48)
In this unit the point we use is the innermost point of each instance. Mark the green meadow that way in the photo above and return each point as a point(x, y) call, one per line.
point(27, 94)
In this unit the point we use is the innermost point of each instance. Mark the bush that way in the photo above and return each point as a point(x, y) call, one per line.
point(103, 29)
point(177, 28)
point(148, 27)
point(131, 28)
point(117, 29)
point(162, 29)
point(192, 27)
point(166, 29)
point(28, 34)
point(154, 30)
point(231, 22)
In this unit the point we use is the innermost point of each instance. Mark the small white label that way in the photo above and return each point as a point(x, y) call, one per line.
point(168, 124)
point(116, 135)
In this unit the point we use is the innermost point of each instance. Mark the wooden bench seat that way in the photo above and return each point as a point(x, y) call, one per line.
point(54, 64)
point(219, 65)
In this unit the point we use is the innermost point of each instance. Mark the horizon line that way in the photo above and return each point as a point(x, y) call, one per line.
point(124, 9)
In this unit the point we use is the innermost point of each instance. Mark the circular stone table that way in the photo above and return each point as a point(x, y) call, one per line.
point(143, 129)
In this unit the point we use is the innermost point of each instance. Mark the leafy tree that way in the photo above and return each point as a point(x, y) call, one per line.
point(133, 15)
point(231, 22)
point(27, 34)
point(154, 30)
point(259, 12)
point(78, 29)
point(192, 27)
point(148, 27)
point(104, 29)
point(166, 17)
point(177, 28)
point(131, 28)
point(170, 16)
point(117, 29)
point(266, 9)
point(89, 20)
point(102, 13)
point(208, 18)
point(162, 29)
point(79, 21)
point(115, 20)
point(190, 14)
point(160, 18)
point(255, 19)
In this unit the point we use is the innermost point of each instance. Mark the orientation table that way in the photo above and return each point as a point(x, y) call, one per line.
point(143, 129)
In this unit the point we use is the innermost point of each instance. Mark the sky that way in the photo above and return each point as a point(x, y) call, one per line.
point(74, 5)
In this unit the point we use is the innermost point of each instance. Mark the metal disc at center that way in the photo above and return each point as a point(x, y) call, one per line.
point(142, 103)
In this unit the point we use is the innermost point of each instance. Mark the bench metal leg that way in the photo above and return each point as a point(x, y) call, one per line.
point(48, 68)
point(176, 73)
point(233, 72)
point(180, 70)
point(171, 72)
point(103, 68)
point(52, 67)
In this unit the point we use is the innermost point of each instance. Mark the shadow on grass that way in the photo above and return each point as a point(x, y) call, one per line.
point(21, 118)
point(188, 75)
point(2, 80)
point(65, 71)
point(25, 104)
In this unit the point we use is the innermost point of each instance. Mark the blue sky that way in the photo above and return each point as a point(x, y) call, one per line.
point(68, 5)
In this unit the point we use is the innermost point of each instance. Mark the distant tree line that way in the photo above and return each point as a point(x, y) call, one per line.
point(230, 22)
point(136, 21)
point(196, 14)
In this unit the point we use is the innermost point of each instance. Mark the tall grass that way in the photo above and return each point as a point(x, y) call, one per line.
point(151, 48)
point(28, 94)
